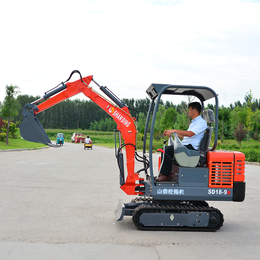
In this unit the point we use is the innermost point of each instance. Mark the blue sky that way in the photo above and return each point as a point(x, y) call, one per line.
point(127, 45)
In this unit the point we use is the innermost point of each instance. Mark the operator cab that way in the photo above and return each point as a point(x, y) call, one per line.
point(184, 159)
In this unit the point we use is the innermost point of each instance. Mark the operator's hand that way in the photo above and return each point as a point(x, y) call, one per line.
point(168, 132)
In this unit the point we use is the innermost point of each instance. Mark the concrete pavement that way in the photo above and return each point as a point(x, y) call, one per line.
point(58, 203)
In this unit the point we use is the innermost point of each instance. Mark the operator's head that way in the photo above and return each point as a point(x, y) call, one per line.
point(87, 136)
point(195, 105)
point(194, 109)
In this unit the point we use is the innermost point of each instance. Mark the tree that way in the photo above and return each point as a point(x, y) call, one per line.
point(168, 119)
point(141, 122)
point(240, 133)
point(249, 98)
point(224, 117)
point(183, 109)
point(256, 105)
point(249, 102)
point(10, 106)
point(157, 123)
point(182, 122)
point(256, 127)
point(238, 115)
point(142, 105)
point(23, 100)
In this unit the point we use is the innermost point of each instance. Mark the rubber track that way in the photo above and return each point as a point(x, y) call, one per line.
point(177, 208)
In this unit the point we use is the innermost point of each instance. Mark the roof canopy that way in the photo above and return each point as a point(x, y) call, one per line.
point(203, 93)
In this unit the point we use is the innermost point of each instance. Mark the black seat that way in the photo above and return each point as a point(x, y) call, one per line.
point(208, 116)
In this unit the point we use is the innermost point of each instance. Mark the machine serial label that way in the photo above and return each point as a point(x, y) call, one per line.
point(170, 191)
point(218, 192)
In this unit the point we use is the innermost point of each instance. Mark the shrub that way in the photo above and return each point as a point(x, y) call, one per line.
point(252, 155)
point(256, 135)
point(13, 130)
point(2, 124)
point(2, 137)
point(140, 136)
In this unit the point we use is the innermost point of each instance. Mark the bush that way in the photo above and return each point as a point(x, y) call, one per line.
point(13, 130)
point(228, 146)
point(2, 137)
point(252, 155)
point(256, 135)
point(158, 136)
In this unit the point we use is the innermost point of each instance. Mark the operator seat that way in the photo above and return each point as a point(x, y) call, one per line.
point(192, 158)
point(208, 116)
point(184, 156)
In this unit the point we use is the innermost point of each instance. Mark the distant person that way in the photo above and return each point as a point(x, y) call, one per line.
point(88, 140)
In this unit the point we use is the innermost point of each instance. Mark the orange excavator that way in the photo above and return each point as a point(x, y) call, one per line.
point(197, 176)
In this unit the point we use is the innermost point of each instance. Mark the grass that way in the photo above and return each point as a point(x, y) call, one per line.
point(19, 143)
point(250, 148)
point(98, 137)
point(233, 145)
point(109, 145)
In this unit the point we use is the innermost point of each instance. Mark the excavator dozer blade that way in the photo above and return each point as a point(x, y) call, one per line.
point(120, 210)
point(32, 130)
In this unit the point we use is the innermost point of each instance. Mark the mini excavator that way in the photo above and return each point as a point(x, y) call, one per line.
point(197, 176)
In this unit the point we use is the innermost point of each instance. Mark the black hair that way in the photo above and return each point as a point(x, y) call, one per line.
point(196, 105)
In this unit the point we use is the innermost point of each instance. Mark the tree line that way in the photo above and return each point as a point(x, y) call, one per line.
point(85, 114)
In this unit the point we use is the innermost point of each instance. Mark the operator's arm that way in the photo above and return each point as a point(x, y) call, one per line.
point(180, 133)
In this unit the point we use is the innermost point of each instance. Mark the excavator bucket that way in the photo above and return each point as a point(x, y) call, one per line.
point(32, 130)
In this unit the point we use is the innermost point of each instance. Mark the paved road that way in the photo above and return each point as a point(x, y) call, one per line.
point(58, 203)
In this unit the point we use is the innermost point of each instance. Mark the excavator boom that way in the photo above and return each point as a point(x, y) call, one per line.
point(32, 130)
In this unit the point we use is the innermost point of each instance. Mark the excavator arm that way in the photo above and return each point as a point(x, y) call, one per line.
point(32, 130)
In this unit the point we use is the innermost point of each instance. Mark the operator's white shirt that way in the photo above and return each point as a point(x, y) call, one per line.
point(198, 126)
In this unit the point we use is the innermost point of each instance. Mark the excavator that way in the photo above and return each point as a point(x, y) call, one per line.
point(196, 176)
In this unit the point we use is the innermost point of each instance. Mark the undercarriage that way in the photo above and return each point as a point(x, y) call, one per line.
point(148, 214)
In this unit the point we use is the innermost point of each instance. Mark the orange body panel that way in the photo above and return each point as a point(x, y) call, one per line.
point(225, 168)
point(239, 167)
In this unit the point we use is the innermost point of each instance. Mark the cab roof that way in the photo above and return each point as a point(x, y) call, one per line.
point(202, 93)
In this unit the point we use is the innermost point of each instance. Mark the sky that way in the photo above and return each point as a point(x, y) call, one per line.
point(128, 44)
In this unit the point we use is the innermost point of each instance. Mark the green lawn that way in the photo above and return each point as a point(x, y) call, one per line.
point(18, 144)
point(250, 148)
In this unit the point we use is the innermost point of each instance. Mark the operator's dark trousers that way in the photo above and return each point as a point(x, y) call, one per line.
point(168, 159)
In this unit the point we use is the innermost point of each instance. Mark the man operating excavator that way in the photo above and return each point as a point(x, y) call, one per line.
point(169, 206)
point(191, 139)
